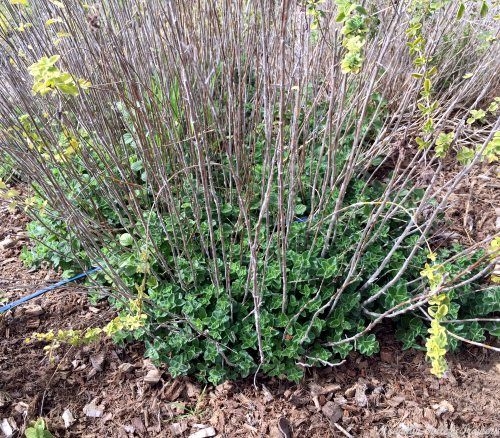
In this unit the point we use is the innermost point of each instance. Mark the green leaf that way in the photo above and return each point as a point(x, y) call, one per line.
point(427, 86)
point(295, 374)
point(38, 430)
point(300, 209)
point(484, 9)
point(70, 89)
point(395, 295)
point(465, 155)
point(368, 345)
point(340, 17)
point(493, 328)
point(422, 144)
point(126, 240)
point(461, 10)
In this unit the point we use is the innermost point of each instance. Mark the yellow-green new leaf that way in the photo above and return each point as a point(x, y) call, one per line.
point(57, 3)
point(52, 21)
point(484, 9)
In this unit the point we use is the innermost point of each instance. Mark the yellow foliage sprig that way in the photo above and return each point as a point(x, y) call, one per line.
point(439, 305)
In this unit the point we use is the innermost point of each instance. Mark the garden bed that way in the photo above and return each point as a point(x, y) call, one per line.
point(391, 392)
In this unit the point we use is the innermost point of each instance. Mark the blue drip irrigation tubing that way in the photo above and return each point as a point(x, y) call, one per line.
point(47, 289)
point(76, 277)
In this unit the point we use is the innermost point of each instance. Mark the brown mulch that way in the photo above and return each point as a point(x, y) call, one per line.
point(473, 209)
point(113, 392)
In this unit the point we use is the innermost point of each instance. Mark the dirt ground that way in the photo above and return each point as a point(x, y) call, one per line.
point(107, 391)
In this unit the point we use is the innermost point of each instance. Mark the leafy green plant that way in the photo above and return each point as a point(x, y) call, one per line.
point(38, 430)
point(236, 187)
point(458, 311)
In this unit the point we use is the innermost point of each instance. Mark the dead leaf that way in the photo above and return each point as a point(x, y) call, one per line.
point(332, 411)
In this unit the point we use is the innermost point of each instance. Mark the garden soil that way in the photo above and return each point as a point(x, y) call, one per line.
point(107, 391)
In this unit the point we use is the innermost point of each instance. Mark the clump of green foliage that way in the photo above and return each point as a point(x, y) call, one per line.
point(241, 189)
point(38, 430)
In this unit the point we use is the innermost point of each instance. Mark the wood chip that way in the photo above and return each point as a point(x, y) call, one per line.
point(93, 410)
point(97, 360)
point(178, 429)
point(396, 401)
point(350, 392)
point(7, 429)
point(386, 356)
point(129, 428)
point(152, 377)
point(5, 399)
point(174, 390)
point(330, 388)
point(268, 397)
point(68, 418)
point(360, 397)
point(192, 391)
point(21, 407)
point(138, 425)
point(204, 433)
point(8, 242)
point(125, 367)
point(34, 310)
point(443, 407)
point(332, 411)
